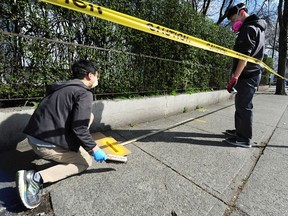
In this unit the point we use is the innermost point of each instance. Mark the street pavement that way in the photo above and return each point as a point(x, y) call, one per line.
point(184, 170)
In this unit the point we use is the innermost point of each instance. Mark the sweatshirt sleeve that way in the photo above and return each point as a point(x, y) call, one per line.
point(81, 117)
point(247, 40)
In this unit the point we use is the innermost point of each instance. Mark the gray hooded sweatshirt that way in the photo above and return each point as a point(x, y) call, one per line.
point(251, 41)
point(63, 116)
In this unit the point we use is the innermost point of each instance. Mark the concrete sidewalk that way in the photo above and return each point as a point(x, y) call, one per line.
point(185, 170)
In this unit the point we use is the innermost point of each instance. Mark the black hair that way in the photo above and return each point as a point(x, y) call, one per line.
point(82, 68)
point(235, 9)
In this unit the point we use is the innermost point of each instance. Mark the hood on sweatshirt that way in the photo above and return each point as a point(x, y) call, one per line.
point(256, 21)
point(56, 86)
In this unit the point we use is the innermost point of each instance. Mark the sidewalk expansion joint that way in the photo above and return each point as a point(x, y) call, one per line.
point(183, 176)
point(131, 141)
point(241, 187)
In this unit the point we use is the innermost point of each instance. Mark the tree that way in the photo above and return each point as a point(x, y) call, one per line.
point(201, 7)
point(283, 34)
point(223, 9)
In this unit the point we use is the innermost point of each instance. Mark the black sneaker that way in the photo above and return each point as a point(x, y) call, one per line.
point(234, 142)
point(28, 189)
point(230, 133)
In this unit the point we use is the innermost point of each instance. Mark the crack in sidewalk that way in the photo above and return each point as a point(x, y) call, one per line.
point(241, 187)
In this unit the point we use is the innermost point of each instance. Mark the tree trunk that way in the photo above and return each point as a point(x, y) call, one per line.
point(283, 24)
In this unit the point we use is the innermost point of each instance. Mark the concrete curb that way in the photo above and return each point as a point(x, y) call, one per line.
point(112, 113)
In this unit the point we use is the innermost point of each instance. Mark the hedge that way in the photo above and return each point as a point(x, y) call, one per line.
point(39, 42)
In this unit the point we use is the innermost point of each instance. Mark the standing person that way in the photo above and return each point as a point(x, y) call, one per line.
point(246, 76)
point(58, 130)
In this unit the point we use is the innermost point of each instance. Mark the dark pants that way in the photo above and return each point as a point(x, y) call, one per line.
point(244, 106)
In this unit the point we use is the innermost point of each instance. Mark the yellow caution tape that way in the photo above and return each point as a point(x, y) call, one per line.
point(151, 28)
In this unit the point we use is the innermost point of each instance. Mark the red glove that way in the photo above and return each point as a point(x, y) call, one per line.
point(231, 84)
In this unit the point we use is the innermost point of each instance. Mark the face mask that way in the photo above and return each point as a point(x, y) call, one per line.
point(237, 25)
point(95, 84)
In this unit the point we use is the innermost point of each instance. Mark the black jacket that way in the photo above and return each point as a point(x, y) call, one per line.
point(251, 41)
point(62, 117)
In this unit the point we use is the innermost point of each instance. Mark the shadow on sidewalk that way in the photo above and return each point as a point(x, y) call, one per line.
point(189, 138)
point(15, 160)
point(10, 163)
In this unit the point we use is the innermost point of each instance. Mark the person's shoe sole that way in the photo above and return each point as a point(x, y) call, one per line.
point(22, 187)
point(239, 144)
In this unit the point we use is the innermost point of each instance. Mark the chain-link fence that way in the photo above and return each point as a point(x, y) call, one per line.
point(28, 64)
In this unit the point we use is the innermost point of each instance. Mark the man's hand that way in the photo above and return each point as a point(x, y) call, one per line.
point(231, 84)
point(99, 155)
